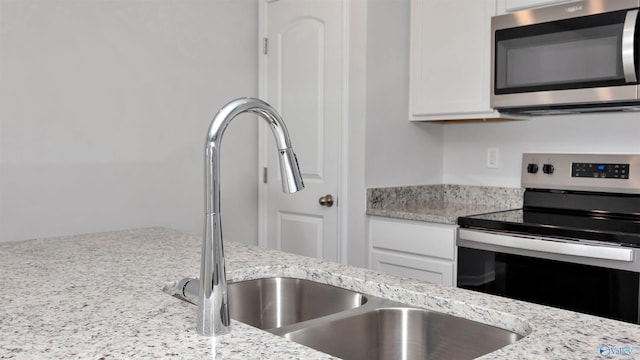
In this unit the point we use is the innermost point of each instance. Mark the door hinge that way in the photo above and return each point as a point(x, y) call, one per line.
point(264, 175)
point(265, 46)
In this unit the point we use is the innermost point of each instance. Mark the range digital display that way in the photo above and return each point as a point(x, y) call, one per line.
point(601, 171)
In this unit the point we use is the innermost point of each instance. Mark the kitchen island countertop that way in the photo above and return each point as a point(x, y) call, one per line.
point(99, 296)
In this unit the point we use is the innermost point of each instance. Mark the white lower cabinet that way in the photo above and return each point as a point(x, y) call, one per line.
point(415, 249)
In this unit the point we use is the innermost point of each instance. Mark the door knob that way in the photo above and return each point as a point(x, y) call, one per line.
point(326, 200)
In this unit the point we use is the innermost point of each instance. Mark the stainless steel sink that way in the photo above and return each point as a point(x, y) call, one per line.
point(276, 302)
point(403, 333)
point(350, 325)
point(272, 303)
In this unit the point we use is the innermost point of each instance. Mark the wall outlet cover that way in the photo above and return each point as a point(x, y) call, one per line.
point(493, 155)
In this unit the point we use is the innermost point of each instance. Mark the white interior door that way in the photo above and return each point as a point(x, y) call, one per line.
point(303, 80)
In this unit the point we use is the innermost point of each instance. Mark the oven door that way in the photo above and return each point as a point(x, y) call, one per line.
point(592, 279)
point(581, 59)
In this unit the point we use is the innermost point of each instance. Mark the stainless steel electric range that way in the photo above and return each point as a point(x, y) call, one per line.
point(575, 244)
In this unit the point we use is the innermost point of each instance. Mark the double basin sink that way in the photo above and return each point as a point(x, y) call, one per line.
point(351, 325)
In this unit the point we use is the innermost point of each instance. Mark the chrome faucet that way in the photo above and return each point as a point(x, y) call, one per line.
point(213, 308)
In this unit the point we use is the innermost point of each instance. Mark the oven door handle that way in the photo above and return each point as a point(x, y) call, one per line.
point(549, 246)
point(628, 46)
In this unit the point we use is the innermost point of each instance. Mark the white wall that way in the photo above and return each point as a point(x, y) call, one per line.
point(465, 145)
point(104, 106)
point(398, 152)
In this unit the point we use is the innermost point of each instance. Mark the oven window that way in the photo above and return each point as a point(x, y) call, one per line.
point(560, 55)
point(588, 289)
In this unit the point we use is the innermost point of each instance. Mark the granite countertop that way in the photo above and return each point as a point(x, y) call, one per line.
point(441, 203)
point(99, 296)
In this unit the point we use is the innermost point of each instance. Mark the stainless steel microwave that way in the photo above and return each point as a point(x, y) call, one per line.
point(575, 57)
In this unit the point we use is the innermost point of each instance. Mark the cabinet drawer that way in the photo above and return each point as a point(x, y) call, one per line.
point(434, 240)
point(430, 270)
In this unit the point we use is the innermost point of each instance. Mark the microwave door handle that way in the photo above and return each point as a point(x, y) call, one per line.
point(628, 46)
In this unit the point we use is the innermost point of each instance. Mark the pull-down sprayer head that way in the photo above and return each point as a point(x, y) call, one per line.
point(289, 171)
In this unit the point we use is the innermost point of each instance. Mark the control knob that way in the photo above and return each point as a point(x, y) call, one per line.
point(548, 169)
point(532, 168)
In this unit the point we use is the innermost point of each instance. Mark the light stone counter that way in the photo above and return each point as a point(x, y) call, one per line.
point(99, 296)
point(440, 203)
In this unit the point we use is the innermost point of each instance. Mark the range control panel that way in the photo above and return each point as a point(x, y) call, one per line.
point(584, 172)
point(600, 171)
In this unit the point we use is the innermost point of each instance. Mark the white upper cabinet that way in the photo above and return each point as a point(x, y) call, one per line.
point(505, 6)
point(450, 59)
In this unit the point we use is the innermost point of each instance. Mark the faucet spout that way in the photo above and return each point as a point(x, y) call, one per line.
point(213, 308)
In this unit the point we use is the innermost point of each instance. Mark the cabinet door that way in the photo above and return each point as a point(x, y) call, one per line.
point(450, 59)
point(426, 269)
